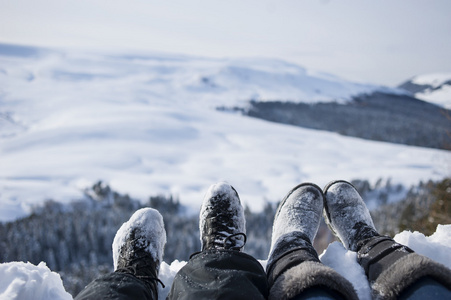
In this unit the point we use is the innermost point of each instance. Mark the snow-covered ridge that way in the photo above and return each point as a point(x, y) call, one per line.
point(434, 88)
point(148, 125)
point(434, 80)
point(215, 81)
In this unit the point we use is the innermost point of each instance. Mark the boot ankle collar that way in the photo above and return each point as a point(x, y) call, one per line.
point(374, 249)
point(289, 260)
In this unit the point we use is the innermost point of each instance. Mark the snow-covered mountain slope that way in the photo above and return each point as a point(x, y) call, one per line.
point(434, 88)
point(148, 125)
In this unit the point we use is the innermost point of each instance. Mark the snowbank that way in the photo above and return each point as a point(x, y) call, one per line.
point(23, 281)
point(436, 246)
point(26, 281)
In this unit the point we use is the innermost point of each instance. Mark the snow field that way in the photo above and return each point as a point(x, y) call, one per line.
point(148, 125)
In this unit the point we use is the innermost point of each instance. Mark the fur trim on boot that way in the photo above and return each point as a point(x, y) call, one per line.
point(310, 274)
point(407, 271)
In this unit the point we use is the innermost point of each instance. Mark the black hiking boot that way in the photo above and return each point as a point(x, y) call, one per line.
point(221, 221)
point(138, 247)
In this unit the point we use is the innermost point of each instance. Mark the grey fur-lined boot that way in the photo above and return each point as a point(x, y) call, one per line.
point(293, 264)
point(391, 268)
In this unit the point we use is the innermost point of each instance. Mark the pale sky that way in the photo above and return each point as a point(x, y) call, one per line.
point(377, 41)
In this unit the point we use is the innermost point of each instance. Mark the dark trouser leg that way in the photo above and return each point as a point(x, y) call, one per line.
point(393, 269)
point(424, 289)
point(319, 293)
point(220, 274)
point(116, 285)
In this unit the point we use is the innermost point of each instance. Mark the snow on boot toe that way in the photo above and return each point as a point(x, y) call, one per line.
point(299, 212)
point(221, 221)
point(143, 232)
point(346, 214)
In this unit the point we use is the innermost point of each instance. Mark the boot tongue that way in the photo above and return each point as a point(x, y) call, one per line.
point(222, 220)
point(140, 263)
point(133, 256)
point(221, 236)
point(135, 259)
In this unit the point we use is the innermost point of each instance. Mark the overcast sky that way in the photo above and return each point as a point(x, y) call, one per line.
point(382, 41)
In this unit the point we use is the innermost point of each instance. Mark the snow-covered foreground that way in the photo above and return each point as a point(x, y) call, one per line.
point(25, 281)
point(147, 125)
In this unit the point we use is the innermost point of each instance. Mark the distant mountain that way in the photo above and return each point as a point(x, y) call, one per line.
point(417, 113)
point(434, 88)
point(388, 117)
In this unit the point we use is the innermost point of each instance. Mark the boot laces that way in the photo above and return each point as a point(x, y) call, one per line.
point(140, 263)
point(221, 236)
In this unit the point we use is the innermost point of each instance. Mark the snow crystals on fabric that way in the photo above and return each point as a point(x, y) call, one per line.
point(300, 212)
point(346, 208)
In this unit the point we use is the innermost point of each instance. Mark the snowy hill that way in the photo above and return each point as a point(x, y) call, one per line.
point(434, 88)
point(148, 124)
